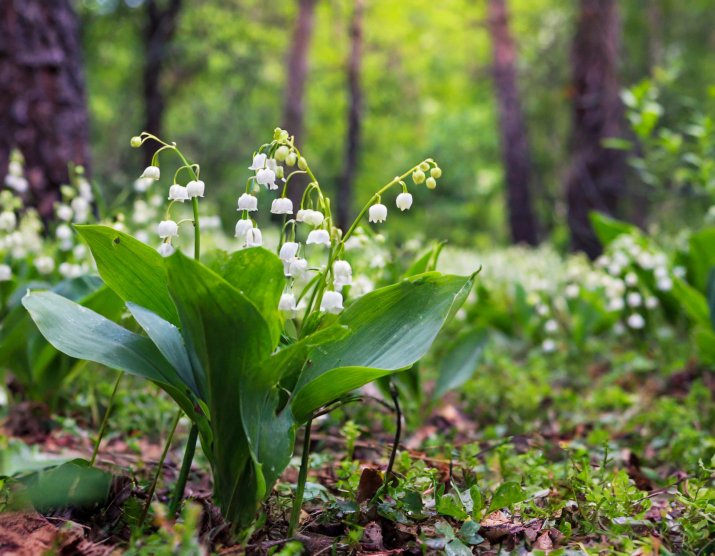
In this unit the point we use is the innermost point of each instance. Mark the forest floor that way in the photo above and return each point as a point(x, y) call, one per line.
point(617, 459)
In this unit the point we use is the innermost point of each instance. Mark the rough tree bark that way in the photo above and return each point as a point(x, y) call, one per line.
point(596, 177)
point(43, 108)
point(514, 140)
point(159, 30)
point(294, 105)
point(355, 111)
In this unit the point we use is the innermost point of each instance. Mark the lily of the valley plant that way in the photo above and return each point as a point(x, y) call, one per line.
point(252, 344)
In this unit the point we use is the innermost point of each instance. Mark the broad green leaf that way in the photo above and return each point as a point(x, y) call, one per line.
point(459, 363)
point(135, 271)
point(607, 228)
point(451, 505)
point(702, 257)
point(389, 329)
point(506, 495)
point(426, 262)
point(692, 301)
point(258, 274)
point(705, 343)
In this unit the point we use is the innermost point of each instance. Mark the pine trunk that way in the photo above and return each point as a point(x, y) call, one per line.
point(596, 178)
point(43, 108)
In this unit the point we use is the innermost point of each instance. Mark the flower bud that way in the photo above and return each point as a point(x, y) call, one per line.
point(167, 228)
point(424, 166)
point(404, 201)
point(287, 303)
point(332, 302)
point(282, 205)
point(291, 159)
point(136, 142)
point(342, 274)
point(282, 153)
point(247, 202)
point(318, 237)
point(178, 193)
point(436, 172)
point(377, 213)
point(310, 217)
point(431, 183)
point(242, 227)
point(166, 249)
point(151, 172)
point(254, 238)
point(418, 176)
point(302, 163)
point(195, 188)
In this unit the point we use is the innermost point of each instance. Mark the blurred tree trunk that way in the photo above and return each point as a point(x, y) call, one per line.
point(514, 141)
point(294, 107)
point(43, 109)
point(159, 30)
point(355, 110)
point(596, 177)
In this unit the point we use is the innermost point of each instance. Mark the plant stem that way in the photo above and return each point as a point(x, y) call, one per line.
point(185, 468)
point(302, 478)
point(152, 488)
point(105, 420)
point(395, 399)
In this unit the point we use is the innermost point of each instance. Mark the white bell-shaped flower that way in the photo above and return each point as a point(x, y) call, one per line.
point(8, 221)
point(242, 227)
point(332, 302)
point(297, 268)
point(44, 265)
point(551, 326)
point(287, 303)
point(195, 188)
point(5, 273)
point(259, 162)
point(314, 218)
point(247, 202)
point(64, 212)
point(377, 213)
point(151, 172)
point(635, 321)
point(342, 274)
point(167, 228)
point(166, 249)
point(178, 193)
point(254, 238)
point(548, 346)
point(319, 237)
point(404, 201)
point(63, 232)
point(266, 177)
point(288, 251)
point(282, 205)
point(634, 299)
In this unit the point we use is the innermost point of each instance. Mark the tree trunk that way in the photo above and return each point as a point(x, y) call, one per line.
point(355, 104)
point(596, 177)
point(514, 141)
point(43, 109)
point(160, 27)
point(294, 107)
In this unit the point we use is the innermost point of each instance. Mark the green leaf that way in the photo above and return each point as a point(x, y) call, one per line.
point(135, 271)
point(702, 257)
point(459, 363)
point(692, 302)
point(450, 505)
point(607, 229)
point(258, 274)
point(506, 495)
point(426, 262)
point(389, 330)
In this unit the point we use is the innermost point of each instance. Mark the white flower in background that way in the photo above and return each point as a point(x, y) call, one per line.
point(266, 177)
point(143, 236)
point(151, 173)
point(664, 284)
point(342, 274)
point(259, 162)
point(542, 310)
point(85, 189)
point(44, 265)
point(195, 188)
point(548, 346)
point(661, 272)
point(619, 329)
point(211, 222)
point(614, 269)
point(166, 249)
point(631, 279)
point(287, 303)
point(81, 208)
point(63, 232)
point(68, 270)
point(378, 260)
point(247, 202)
point(5, 273)
point(8, 221)
point(635, 321)
point(288, 251)
point(572, 291)
point(254, 238)
point(651, 303)
point(377, 213)
point(297, 268)
point(141, 185)
point(178, 193)
point(167, 228)
point(679, 271)
point(310, 217)
point(645, 260)
point(551, 326)
point(318, 237)
point(616, 304)
point(14, 168)
point(404, 201)
point(282, 205)
point(332, 302)
point(361, 285)
point(79, 251)
point(63, 212)
point(242, 227)
point(634, 299)
point(142, 213)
